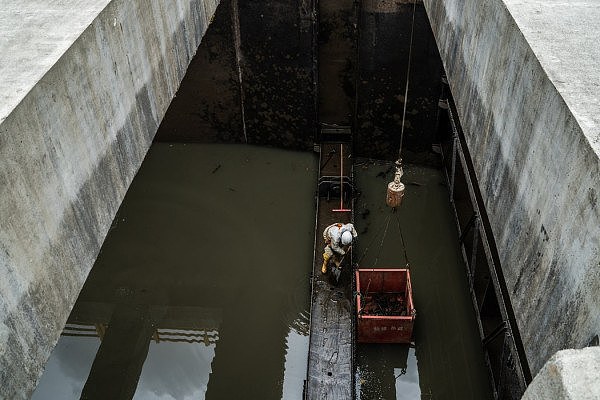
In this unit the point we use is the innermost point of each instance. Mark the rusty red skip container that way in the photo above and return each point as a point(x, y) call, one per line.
point(384, 306)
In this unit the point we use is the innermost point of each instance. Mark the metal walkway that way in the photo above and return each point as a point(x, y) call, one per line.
point(330, 360)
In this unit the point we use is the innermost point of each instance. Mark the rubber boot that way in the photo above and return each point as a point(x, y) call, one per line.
point(326, 258)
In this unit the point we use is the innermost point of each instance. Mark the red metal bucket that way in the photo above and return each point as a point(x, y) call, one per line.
point(384, 306)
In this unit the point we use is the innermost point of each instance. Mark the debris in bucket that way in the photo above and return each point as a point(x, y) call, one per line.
point(380, 304)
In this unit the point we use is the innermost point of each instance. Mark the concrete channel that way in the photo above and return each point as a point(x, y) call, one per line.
point(505, 108)
point(84, 87)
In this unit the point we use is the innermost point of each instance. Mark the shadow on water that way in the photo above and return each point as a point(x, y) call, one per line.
point(445, 361)
point(202, 287)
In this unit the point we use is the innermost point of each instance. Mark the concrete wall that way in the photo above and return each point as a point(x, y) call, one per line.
point(568, 375)
point(253, 78)
point(75, 126)
point(535, 156)
point(384, 46)
point(208, 104)
point(260, 59)
point(337, 61)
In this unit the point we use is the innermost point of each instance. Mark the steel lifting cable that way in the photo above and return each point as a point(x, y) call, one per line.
point(384, 229)
point(382, 239)
point(372, 240)
point(395, 190)
point(399, 161)
point(402, 239)
point(412, 31)
point(407, 263)
point(381, 247)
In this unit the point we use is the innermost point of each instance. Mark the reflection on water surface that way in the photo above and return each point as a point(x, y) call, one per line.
point(445, 361)
point(201, 289)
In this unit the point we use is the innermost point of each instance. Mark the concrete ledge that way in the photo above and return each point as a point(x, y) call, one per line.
point(533, 137)
point(568, 375)
point(74, 129)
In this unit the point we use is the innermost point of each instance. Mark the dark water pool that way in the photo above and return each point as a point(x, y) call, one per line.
point(202, 287)
point(445, 360)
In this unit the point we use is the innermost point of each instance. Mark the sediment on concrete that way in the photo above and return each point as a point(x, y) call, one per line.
point(384, 45)
point(259, 56)
point(535, 153)
point(268, 73)
point(69, 148)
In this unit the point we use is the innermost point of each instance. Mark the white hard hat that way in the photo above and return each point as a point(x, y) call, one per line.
point(346, 238)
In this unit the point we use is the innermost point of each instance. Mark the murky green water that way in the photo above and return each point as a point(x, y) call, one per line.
point(202, 288)
point(445, 361)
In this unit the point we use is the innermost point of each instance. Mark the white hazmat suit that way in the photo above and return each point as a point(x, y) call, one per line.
point(338, 238)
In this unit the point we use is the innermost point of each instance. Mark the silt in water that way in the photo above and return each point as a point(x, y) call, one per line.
point(445, 360)
point(202, 287)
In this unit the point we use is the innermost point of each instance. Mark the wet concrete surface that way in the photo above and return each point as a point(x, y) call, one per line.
point(330, 361)
point(208, 105)
point(272, 72)
point(278, 72)
point(384, 46)
point(337, 34)
point(202, 287)
point(445, 361)
point(252, 79)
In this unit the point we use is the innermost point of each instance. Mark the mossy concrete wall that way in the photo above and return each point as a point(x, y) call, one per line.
point(523, 74)
point(84, 87)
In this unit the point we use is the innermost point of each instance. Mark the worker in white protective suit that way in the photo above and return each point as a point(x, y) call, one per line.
point(338, 240)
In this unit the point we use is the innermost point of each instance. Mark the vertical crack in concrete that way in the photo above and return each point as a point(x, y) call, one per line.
point(237, 42)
